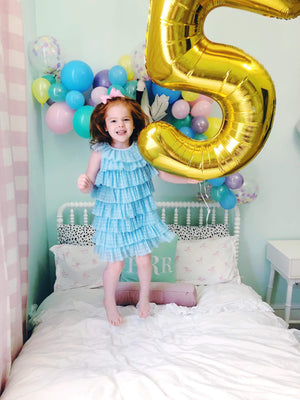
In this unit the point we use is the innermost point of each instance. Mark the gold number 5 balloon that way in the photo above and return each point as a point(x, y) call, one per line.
point(179, 56)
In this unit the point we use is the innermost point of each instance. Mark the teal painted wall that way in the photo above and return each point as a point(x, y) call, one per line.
point(99, 33)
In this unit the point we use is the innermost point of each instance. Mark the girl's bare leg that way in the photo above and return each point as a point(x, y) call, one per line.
point(111, 277)
point(144, 264)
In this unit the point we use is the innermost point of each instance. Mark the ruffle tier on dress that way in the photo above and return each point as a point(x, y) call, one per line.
point(125, 213)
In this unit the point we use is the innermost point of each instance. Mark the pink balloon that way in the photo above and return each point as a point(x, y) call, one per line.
point(180, 109)
point(199, 98)
point(96, 93)
point(59, 118)
point(201, 109)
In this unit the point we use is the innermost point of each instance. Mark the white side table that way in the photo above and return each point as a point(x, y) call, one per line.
point(284, 256)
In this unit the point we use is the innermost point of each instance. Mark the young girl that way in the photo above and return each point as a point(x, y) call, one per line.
point(125, 217)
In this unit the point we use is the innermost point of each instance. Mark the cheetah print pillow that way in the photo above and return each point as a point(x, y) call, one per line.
point(82, 235)
point(75, 234)
point(199, 232)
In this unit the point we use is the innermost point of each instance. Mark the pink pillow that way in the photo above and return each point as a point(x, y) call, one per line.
point(182, 294)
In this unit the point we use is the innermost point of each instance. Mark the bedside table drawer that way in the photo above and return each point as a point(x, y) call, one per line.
point(286, 256)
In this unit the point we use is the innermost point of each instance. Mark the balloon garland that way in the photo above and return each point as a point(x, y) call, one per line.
point(71, 91)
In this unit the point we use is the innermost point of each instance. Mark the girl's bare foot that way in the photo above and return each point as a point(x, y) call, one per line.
point(112, 313)
point(144, 308)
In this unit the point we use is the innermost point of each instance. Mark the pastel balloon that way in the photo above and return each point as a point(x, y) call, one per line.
point(180, 57)
point(214, 125)
point(199, 98)
point(117, 75)
point(200, 136)
point(216, 181)
point(57, 92)
point(45, 55)
point(77, 75)
point(75, 99)
point(172, 94)
point(97, 93)
point(234, 181)
point(180, 109)
point(138, 62)
point(187, 131)
point(247, 192)
point(201, 109)
point(199, 124)
point(39, 89)
point(189, 96)
point(101, 79)
point(59, 118)
point(178, 123)
point(229, 201)
point(49, 78)
point(219, 193)
point(130, 89)
point(81, 121)
point(125, 62)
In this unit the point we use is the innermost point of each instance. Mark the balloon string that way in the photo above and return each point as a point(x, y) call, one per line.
point(203, 195)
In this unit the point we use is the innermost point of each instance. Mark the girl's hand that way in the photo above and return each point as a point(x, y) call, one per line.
point(84, 183)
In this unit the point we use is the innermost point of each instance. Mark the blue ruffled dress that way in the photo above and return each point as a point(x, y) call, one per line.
point(125, 217)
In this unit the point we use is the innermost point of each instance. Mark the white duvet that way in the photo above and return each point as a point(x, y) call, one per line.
point(230, 346)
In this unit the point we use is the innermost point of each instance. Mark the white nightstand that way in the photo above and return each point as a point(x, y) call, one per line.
point(284, 256)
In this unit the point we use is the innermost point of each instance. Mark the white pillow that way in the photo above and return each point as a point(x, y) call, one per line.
point(207, 261)
point(77, 266)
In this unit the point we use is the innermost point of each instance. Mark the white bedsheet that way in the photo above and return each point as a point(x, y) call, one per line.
point(230, 346)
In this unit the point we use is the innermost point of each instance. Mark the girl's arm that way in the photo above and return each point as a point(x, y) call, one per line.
point(86, 181)
point(175, 178)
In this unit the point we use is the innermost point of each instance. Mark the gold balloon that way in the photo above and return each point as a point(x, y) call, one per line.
point(179, 56)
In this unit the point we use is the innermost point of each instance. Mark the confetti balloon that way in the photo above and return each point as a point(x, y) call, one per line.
point(138, 62)
point(45, 55)
point(247, 192)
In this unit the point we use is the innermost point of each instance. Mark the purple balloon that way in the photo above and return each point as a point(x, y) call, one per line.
point(234, 181)
point(200, 124)
point(102, 79)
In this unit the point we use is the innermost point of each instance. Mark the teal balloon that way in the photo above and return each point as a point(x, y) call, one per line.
point(219, 193)
point(57, 92)
point(200, 137)
point(229, 201)
point(81, 121)
point(179, 123)
point(130, 89)
point(118, 87)
point(49, 78)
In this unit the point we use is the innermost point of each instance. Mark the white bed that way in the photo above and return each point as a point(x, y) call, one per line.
point(230, 345)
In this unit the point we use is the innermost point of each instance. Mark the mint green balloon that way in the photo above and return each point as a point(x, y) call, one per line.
point(130, 89)
point(179, 123)
point(81, 121)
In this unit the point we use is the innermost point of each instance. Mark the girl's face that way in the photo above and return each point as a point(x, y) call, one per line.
point(119, 124)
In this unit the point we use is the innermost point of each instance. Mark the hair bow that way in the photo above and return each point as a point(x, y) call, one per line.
point(113, 93)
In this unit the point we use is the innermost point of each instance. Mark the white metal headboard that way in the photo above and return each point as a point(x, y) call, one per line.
point(172, 212)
